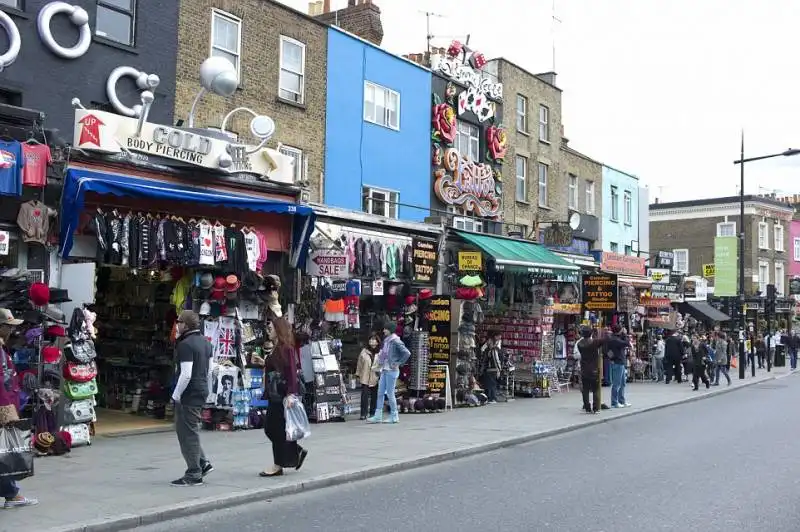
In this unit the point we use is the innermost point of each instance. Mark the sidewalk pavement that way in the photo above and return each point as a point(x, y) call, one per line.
point(121, 483)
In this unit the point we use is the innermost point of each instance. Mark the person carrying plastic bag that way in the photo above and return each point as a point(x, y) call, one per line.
point(297, 426)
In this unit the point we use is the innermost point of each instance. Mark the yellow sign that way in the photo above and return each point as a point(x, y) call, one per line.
point(709, 270)
point(469, 261)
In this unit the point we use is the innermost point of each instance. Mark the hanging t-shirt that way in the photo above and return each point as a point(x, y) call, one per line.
point(206, 244)
point(220, 249)
point(37, 159)
point(253, 250)
point(34, 221)
point(11, 164)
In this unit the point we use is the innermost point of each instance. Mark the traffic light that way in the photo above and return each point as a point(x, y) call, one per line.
point(770, 302)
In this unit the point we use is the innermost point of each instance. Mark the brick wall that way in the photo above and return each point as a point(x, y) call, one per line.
point(362, 19)
point(264, 21)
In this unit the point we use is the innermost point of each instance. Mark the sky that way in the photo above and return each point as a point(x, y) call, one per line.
point(661, 89)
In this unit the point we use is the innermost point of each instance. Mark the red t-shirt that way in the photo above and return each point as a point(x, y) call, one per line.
point(37, 159)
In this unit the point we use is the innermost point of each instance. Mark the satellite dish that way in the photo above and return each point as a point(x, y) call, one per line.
point(574, 220)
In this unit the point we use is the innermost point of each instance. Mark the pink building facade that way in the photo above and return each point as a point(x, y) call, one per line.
point(794, 248)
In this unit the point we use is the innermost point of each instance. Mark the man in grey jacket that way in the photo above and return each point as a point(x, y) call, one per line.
point(193, 359)
point(392, 355)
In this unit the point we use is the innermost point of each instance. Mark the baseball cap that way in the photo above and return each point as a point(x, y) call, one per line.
point(7, 318)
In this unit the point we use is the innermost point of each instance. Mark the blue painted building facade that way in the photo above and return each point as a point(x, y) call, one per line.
point(377, 154)
point(620, 212)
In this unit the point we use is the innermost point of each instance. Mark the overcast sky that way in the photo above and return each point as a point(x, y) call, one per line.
point(657, 88)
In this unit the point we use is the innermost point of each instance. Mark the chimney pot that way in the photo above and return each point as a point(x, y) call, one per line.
point(326, 6)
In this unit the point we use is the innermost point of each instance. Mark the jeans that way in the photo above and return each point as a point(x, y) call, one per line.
point(658, 369)
point(589, 385)
point(722, 368)
point(617, 384)
point(490, 383)
point(369, 398)
point(187, 427)
point(793, 359)
point(8, 489)
point(698, 374)
point(386, 384)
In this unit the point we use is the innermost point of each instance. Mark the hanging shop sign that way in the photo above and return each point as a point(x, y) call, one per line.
point(657, 302)
point(110, 133)
point(624, 264)
point(424, 257)
point(466, 184)
point(658, 275)
point(557, 235)
point(695, 289)
point(566, 308)
point(672, 289)
point(470, 261)
point(664, 259)
point(327, 263)
point(708, 270)
point(726, 266)
point(599, 292)
point(438, 318)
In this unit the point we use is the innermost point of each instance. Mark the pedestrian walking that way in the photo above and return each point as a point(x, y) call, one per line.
point(721, 358)
point(193, 354)
point(367, 377)
point(618, 345)
point(589, 354)
point(673, 354)
point(392, 355)
point(794, 345)
point(9, 489)
point(699, 354)
point(761, 352)
point(658, 359)
point(280, 376)
point(491, 354)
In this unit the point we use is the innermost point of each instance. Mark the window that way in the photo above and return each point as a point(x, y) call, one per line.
point(522, 113)
point(468, 141)
point(614, 204)
point(797, 249)
point(226, 37)
point(381, 106)
point(628, 250)
point(573, 192)
point(628, 207)
point(681, 263)
point(726, 229)
point(763, 235)
point(292, 84)
point(590, 197)
point(297, 155)
point(522, 178)
point(544, 123)
point(468, 224)
point(614, 247)
point(16, 4)
point(778, 237)
point(763, 276)
point(779, 275)
point(380, 202)
point(543, 169)
point(115, 20)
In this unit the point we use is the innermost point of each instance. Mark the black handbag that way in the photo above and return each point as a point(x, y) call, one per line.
point(16, 451)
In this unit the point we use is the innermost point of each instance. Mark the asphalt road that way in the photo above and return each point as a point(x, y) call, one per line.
point(723, 463)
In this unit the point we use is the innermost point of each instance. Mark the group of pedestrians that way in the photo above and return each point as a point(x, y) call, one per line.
point(706, 356)
point(589, 350)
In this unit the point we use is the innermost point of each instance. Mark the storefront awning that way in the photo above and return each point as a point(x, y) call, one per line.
point(704, 309)
point(635, 280)
point(586, 261)
point(79, 181)
point(511, 254)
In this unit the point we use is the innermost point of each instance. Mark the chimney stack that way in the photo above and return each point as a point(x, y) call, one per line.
point(360, 17)
point(326, 6)
point(315, 8)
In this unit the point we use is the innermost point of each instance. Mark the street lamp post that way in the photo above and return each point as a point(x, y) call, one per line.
point(743, 316)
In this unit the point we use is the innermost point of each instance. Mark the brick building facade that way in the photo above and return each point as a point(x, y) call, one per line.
point(282, 59)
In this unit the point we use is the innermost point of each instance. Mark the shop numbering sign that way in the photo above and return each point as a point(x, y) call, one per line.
point(438, 316)
point(599, 292)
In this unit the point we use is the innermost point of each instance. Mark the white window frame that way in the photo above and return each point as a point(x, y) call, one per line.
point(108, 6)
point(627, 207)
point(763, 235)
point(521, 192)
point(522, 114)
point(572, 198)
point(780, 275)
point(388, 94)
point(590, 198)
point(299, 159)
point(676, 265)
point(468, 140)
point(797, 249)
point(543, 172)
point(613, 247)
point(465, 223)
point(763, 281)
point(777, 236)
point(238, 23)
point(393, 197)
point(614, 214)
point(301, 98)
point(721, 228)
point(544, 123)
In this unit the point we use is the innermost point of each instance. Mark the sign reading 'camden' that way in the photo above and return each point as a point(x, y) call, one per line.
point(599, 292)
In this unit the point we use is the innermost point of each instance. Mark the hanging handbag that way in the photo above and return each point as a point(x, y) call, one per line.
point(80, 352)
point(78, 411)
point(80, 433)
point(80, 390)
point(80, 372)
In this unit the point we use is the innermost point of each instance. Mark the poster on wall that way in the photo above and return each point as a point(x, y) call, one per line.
point(438, 319)
point(425, 255)
point(599, 292)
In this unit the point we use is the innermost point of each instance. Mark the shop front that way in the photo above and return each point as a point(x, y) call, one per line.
point(698, 314)
point(524, 284)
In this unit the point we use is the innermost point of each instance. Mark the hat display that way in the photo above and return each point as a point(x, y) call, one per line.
point(39, 294)
point(56, 330)
point(218, 290)
point(7, 318)
point(206, 280)
point(425, 293)
point(51, 354)
point(232, 283)
point(43, 441)
point(59, 295)
point(205, 309)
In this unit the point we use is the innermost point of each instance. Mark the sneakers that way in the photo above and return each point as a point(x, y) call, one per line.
point(393, 418)
point(625, 405)
point(207, 468)
point(186, 482)
point(20, 502)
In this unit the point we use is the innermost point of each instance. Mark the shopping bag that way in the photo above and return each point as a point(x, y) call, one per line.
point(297, 426)
point(734, 362)
point(16, 452)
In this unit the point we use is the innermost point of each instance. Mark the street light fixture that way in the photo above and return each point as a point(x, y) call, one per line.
point(743, 317)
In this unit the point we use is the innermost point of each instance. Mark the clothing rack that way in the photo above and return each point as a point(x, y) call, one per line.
point(127, 208)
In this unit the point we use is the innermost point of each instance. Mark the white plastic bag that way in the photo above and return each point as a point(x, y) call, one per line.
point(297, 426)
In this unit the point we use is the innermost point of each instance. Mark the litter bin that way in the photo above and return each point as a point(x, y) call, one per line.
point(780, 356)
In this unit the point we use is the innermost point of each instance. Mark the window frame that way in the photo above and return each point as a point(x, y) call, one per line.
point(627, 207)
point(614, 214)
point(675, 254)
point(521, 178)
point(392, 201)
point(522, 116)
point(104, 4)
point(720, 225)
point(544, 123)
point(613, 247)
point(544, 185)
point(299, 173)
point(284, 40)
point(572, 191)
point(797, 249)
point(238, 22)
point(779, 284)
point(777, 230)
point(474, 140)
point(763, 243)
point(477, 225)
point(388, 92)
point(590, 193)
point(762, 283)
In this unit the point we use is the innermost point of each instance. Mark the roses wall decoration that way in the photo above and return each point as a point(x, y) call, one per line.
point(497, 142)
point(444, 123)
